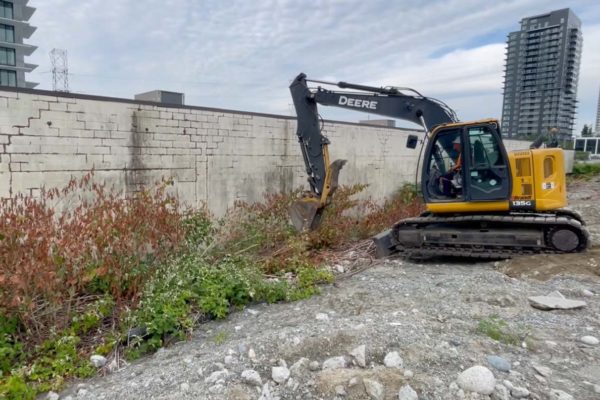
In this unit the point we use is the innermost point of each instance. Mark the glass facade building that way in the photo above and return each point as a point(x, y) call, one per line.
point(14, 28)
point(597, 127)
point(541, 75)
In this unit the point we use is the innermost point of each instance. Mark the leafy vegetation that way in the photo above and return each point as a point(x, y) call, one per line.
point(128, 274)
point(496, 328)
point(586, 170)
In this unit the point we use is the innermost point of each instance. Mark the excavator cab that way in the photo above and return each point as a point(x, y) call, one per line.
point(465, 162)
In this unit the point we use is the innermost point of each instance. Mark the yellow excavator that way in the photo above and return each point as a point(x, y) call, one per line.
point(481, 201)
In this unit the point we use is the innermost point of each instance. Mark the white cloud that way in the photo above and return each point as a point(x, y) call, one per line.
point(241, 55)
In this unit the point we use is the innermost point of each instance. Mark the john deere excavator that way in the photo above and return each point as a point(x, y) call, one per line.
point(481, 201)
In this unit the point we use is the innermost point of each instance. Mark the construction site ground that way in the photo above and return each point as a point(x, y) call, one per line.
point(440, 318)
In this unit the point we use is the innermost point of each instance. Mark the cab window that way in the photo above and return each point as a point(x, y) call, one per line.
point(444, 167)
point(486, 161)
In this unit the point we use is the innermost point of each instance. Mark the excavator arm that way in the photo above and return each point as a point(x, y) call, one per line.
point(386, 101)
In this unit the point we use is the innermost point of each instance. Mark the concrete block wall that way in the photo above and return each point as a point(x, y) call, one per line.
point(215, 157)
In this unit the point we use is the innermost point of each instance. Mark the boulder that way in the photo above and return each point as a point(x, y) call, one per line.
point(477, 379)
point(374, 389)
point(555, 303)
point(359, 355)
point(407, 393)
point(334, 363)
point(280, 374)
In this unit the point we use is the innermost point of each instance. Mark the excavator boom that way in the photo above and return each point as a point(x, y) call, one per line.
point(323, 175)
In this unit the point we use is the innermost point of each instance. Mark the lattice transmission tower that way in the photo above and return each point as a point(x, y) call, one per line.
point(60, 70)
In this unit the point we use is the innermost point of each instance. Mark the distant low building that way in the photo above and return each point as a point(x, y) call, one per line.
point(591, 145)
point(162, 96)
point(14, 27)
point(388, 123)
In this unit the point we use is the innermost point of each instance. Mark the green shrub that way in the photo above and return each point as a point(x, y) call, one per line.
point(11, 350)
point(496, 328)
point(586, 170)
point(56, 360)
point(189, 288)
point(16, 388)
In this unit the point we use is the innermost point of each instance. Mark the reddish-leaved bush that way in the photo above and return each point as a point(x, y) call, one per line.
point(103, 243)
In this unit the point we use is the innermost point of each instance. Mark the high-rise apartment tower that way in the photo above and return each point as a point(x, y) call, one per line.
point(14, 27)
point(597, 127)
point(541, 75)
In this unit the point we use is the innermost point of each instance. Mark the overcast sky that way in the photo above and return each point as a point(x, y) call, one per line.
point(242, 54)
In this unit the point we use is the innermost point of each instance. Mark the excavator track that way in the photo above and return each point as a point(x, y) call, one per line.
point(488, 236)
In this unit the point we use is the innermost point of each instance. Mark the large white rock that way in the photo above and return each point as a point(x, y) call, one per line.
point(280, 374)
point(359, 356)
point(322, 317)
point(555, 303)
point(217, 376)
point(501, 393)
point(555, 394)
point(591, 340)
point(477, 379)
point(314, 366)
point(266, 393)
point(300, 367)
point(98, 360)
point(252, 378)
point(393, 360)
point(374, 389)
point(407, 393)
point(519, 392)
point(334, 363)
point(543, 371)
point(52, 396)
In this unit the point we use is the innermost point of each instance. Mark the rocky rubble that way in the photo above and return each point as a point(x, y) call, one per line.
point(398, 330)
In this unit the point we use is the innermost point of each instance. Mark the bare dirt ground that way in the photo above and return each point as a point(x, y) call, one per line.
point(441, 318)
point(584, 196)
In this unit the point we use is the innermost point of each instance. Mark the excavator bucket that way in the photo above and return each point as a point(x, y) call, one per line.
point(306, 213)
point(335, 168)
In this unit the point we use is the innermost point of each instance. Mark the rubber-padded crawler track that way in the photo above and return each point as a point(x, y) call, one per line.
point(542, 222)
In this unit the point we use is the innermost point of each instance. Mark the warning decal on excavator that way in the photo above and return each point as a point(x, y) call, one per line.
point(548, 185)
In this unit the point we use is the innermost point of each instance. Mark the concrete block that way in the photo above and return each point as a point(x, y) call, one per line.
point(186, 193)
point(74, 107)
point(82, 133)
point(117, 161)
point(62, 106)
point(100, 125)
point(164, 136)
point(120, 135)
point(5, 186)
point(54, 162)
point(12, 95)
point(116, 143)
point(183, 161)
point(83, 149)
point(100, 134)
